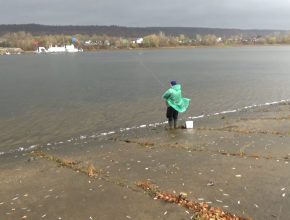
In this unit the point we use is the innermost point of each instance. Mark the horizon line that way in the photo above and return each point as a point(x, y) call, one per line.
point(147, 26)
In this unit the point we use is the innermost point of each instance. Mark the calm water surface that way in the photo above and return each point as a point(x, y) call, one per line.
point(53, 97)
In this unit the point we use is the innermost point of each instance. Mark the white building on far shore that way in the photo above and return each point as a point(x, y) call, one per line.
point(139, 40)
point(219, 40)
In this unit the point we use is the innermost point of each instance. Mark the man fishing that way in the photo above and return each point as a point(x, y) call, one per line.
point(175, 103)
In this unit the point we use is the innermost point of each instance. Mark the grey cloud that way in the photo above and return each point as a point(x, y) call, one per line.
point(246, 14)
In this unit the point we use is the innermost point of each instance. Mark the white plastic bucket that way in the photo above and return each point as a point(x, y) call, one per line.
point(189, 124)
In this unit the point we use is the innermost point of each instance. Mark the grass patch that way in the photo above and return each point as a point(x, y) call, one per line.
point(114, 138)
point(255, 155)
point(91, 170)
point(69, 163)
point(148, 187)
point(201, 211)
point(284, 103)
point(144, 143)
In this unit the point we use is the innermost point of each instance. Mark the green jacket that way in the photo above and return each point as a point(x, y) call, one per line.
point(175, 100)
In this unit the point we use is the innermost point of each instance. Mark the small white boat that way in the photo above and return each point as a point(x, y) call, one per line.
point(71, 49)
point(41, 50)
point(64, 49)
point(7, 53)
point(56, 49)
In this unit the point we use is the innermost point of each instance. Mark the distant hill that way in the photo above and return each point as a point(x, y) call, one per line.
point(133, 32)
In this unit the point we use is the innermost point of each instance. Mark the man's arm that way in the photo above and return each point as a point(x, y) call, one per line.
point(167, 94)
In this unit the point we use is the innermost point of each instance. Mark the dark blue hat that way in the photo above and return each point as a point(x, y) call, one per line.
point(173, 83)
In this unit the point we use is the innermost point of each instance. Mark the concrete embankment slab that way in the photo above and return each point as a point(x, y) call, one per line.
point(236, 163)
point(245, 186)
point(43, 190)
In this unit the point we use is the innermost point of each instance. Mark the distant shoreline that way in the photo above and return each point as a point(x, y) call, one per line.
point(15, 50)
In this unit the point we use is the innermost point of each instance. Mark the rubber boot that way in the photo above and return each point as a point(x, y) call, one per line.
point(170, 125)
point(175, 123)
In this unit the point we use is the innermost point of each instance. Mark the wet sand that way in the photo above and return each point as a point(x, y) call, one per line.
point(244, 155)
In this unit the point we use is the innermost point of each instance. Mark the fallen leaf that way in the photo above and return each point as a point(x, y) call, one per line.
point(209, 184)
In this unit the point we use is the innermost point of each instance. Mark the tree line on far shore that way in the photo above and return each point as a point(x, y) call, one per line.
point(28, 42)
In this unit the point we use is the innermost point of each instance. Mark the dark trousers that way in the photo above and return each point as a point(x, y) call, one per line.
point(171, 113)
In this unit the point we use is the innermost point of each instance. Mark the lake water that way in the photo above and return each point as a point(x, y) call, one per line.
point(48, 98)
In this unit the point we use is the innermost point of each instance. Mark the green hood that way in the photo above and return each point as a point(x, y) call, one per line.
point(174, 98)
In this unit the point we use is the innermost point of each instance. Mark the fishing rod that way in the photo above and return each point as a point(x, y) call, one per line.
point(148, 70)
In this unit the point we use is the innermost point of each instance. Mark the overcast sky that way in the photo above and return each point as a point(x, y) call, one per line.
point(241, 14)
